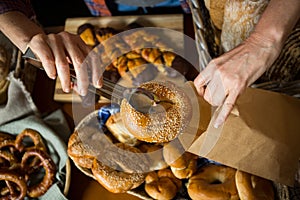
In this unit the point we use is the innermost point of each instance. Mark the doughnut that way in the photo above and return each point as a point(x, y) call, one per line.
point(118, 177)
point(162, 184)
point(49, 166)
point(213, 182)
point(251, 187)
point(161, 126)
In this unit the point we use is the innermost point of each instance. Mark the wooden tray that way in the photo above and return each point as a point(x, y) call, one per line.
point(171, 21)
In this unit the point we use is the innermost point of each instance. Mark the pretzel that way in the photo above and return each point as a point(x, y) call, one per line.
point(49, 167)
point(8, 157)
point(8, 145)
point(15, 185)
point(35, 137)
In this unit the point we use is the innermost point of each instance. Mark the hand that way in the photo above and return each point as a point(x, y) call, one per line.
point(57, 51)
point(226, 77)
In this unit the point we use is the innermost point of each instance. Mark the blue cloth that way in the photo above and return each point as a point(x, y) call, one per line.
point(168, 3)
point(105, 112)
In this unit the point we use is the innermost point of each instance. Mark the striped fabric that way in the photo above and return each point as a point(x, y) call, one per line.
point(98, 7)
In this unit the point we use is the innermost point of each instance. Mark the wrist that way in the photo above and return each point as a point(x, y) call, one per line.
point(18, 28)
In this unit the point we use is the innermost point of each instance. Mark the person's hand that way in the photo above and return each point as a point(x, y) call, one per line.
point(226, 77)
point(57, 51)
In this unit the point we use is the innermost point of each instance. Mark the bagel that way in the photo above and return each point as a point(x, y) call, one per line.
point(116, 173)
point(251, 187)
point(213, 182)
point(162, 126)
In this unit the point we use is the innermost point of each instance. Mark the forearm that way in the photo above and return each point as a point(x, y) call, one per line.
point(18, 28)
point(278, 20)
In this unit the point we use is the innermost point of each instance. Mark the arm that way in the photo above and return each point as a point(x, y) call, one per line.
point(55, 51)
point(226, 77)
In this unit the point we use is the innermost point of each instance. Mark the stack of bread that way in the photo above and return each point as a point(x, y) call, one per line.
point(165, 169)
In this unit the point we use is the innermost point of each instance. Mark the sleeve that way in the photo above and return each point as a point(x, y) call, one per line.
point(23, 6)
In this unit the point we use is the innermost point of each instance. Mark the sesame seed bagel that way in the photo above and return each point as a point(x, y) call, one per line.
point(164, 125)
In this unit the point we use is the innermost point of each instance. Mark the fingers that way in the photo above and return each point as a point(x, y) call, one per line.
point(219, 87)
point(77, 54)
point(42, 50)
point(204, 77)
point(226, 108)
point(95, 65)
point(61, 62)
point(57, 51)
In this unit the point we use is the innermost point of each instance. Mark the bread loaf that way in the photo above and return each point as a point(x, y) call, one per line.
point(240, 17)
point(216, 11)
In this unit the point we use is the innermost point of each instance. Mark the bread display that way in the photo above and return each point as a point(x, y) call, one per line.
point(136, 56)
point(27, 170)
point(172, 173)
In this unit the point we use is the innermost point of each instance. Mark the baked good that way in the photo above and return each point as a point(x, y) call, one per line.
point(183, 164)
point(103, 33)
point(216, 11)
point(87, 34)
point(159, 126)
point(186, 172)
point(251, 187)
point(176, 156)
point(162, 184)
point(115, 125)
point(10, 177)
point(154, 153)
point(4, 63)
point(27, 170)
point(240, 17)
point(213, 182)
point(117, 173)
point(40, 188)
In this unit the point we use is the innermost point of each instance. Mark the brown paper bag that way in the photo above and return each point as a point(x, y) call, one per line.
point(261, 136)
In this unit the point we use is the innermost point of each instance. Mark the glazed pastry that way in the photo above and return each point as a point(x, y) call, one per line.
point(87, 34)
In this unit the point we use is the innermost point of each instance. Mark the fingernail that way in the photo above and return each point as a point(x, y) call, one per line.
point(99, 83)
point(217, 124)
point(67, 90)
point(82, 92)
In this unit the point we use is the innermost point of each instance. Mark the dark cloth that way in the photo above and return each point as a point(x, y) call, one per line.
point(23, 6)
